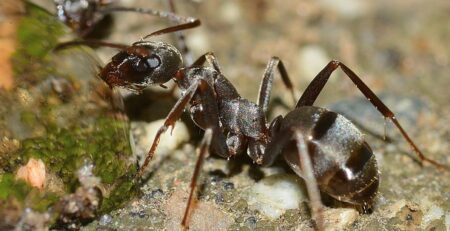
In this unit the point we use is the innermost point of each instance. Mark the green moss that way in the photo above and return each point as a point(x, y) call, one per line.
point(11, 187)
point(104, 143)
point(38, 32)
point(25, 194)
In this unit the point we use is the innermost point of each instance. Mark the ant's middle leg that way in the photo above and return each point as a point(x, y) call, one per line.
point(266, 83)
point(204, 147)
point(315, 87)
point(210, 58)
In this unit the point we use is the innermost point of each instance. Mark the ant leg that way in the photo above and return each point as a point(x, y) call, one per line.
point(170, 121)
point(315, 87)
point(310, 180)
point(266, 83)
point(300, 164)
point(210, 118)
point(204, 147)
point(183, 23)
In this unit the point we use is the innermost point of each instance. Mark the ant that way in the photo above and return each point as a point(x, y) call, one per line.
point(82, 16)
point(324, 148)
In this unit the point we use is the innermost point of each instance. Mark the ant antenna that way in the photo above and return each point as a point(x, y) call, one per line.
point(90, 43)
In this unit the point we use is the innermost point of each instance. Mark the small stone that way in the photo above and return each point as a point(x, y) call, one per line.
point(157, 193)
point(275, 194)
point(219, 198)
point(346, 8)
point(33, 173)
point(339, 219)
point(312, 59)
point(105, 220)
point(230, 12)
point(434, 213)
point(228, 185)
point(142, 214)
point(250, 222)
point(436, 225)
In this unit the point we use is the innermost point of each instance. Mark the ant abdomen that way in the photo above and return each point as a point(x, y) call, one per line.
point(344, 165)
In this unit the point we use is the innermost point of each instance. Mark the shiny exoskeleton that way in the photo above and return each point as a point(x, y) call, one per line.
point(80, 15)
point(83, 15)
point(321, 146)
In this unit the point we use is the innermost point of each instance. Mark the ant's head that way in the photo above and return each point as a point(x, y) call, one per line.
point(143, 64)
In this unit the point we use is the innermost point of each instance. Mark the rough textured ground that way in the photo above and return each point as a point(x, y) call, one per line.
point(399, 48)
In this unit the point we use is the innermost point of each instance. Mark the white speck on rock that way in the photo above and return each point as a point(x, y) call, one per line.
point(275, 194)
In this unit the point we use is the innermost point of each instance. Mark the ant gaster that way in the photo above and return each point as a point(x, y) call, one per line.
point(321, 146)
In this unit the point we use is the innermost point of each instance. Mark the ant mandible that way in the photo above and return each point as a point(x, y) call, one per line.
point(323, 147)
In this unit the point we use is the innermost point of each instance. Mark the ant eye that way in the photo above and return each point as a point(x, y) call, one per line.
point(140, 66)
point(153, 61)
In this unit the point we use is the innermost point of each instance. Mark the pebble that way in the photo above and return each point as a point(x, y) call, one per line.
point(339, 219)
point(250, 222)
point(311, 60)
point(228, 186)
point(105, 220)
point(275, 194)
point(433, 213)
point(346, 8)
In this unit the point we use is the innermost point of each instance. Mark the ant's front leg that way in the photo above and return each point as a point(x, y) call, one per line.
point(170, 121)
point(209, 116)
point(315, 87)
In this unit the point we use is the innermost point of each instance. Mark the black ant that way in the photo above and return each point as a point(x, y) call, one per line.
point(83, 15)
point(321, 146)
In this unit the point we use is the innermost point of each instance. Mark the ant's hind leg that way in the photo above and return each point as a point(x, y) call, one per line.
point(204, 147)
point(310, 180)
point(315, 87)
point(266, 83)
